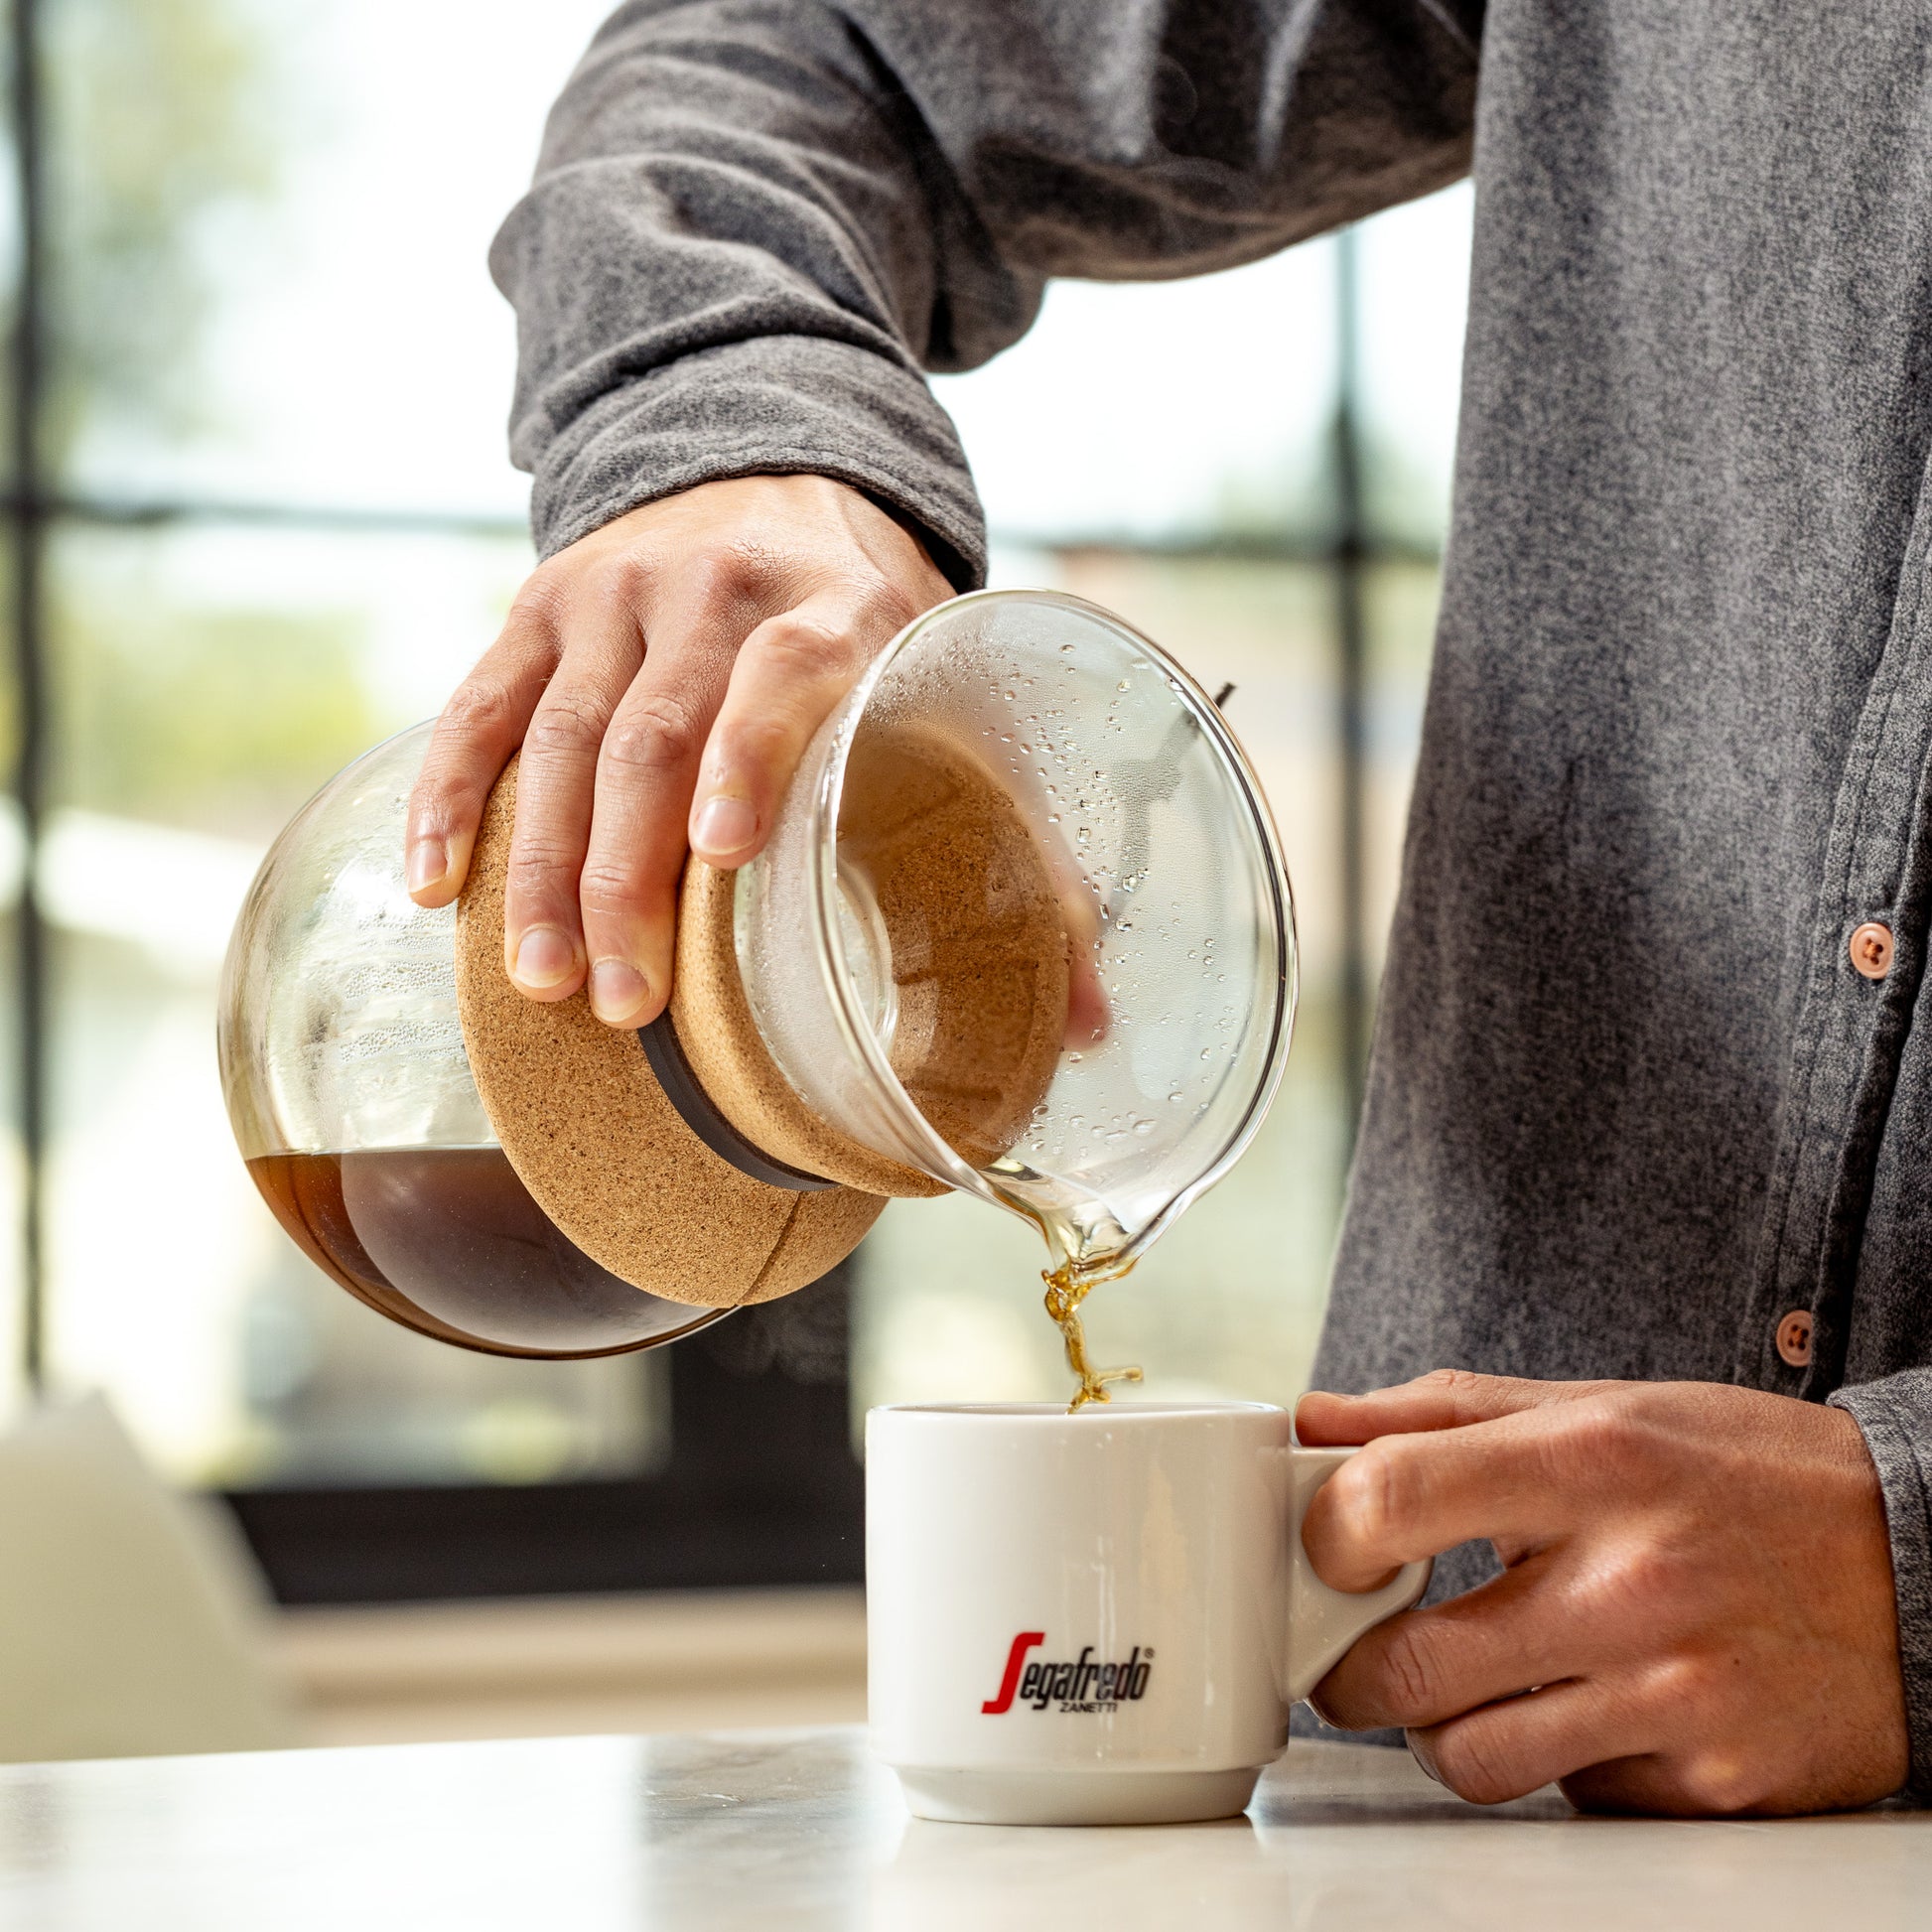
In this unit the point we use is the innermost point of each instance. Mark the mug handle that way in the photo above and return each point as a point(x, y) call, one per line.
point(1324, 1622)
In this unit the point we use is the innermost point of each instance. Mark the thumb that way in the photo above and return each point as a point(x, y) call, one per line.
point(1447, 1398)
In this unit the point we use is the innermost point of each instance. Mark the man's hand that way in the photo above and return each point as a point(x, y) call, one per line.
point(664, 676)
point(1696, 1612)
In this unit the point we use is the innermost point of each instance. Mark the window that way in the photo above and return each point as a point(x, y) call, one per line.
point(261, 517)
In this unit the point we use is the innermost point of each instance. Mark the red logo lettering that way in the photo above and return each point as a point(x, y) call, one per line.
point(1009, 1683)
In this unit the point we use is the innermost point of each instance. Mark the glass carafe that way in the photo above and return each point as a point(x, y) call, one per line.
point(349, 1091)
point(1179, 920)
point(1021, 929)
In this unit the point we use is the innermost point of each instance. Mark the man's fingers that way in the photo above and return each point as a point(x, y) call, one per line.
point(1509, 1750)
point(543, 940)
point(1448, 1398)
point(636, 850)
point(791, 672)
point(606, 788)
point(1427, 1666)
point(1524, 1478)
point(482, 724)
point(1620, 1743)
point(1088, 1012)
point(1702, 1781)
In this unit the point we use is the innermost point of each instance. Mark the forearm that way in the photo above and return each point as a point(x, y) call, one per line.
point(721, 270)
point(756, 221)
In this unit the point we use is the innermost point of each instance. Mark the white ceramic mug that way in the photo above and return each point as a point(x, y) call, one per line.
point(1095, 1618)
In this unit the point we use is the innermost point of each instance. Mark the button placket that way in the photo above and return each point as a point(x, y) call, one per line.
point(1846, 1041)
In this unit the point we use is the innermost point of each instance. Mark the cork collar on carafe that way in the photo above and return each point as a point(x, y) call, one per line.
point(602, 1150)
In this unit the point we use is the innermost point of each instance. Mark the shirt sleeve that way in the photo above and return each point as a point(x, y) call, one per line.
point(1895, 1415)
point(755, 223)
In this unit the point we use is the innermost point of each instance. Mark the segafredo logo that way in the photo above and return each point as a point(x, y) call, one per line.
point(1083, 1685)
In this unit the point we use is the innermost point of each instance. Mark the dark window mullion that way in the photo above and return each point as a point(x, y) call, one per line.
point(1350, 559)
point(27, 518)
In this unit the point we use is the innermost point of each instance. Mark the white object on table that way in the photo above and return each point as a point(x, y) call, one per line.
point(132, 1621)
point(1096, 1617)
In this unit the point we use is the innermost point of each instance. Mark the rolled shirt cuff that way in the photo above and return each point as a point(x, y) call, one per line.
point(775, 405)
point(1895, 1414)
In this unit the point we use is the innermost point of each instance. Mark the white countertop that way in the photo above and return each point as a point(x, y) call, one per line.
point(801, 1829)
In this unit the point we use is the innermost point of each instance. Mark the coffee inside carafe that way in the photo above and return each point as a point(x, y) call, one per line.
point(448, 1241)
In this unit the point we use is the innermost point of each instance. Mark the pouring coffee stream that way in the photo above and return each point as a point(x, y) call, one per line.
point(1022, 930)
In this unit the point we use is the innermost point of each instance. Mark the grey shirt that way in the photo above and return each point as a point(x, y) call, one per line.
point(1630, 1104)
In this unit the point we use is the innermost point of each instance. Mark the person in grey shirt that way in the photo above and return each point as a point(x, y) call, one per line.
point(1647, 1105)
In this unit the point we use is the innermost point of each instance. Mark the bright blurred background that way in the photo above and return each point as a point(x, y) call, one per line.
point(275, 522)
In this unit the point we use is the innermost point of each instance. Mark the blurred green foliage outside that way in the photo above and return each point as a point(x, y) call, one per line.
point(168, 136)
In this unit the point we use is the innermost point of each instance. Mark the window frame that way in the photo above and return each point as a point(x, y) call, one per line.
point(763, 1486)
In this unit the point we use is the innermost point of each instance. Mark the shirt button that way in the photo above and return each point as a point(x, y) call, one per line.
point(1794, 1338)
point(1871, 950)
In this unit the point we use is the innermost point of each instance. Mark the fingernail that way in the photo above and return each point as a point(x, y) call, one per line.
point(429, 862)
point(618, 990)
point(725, 826)
point(544, 958)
